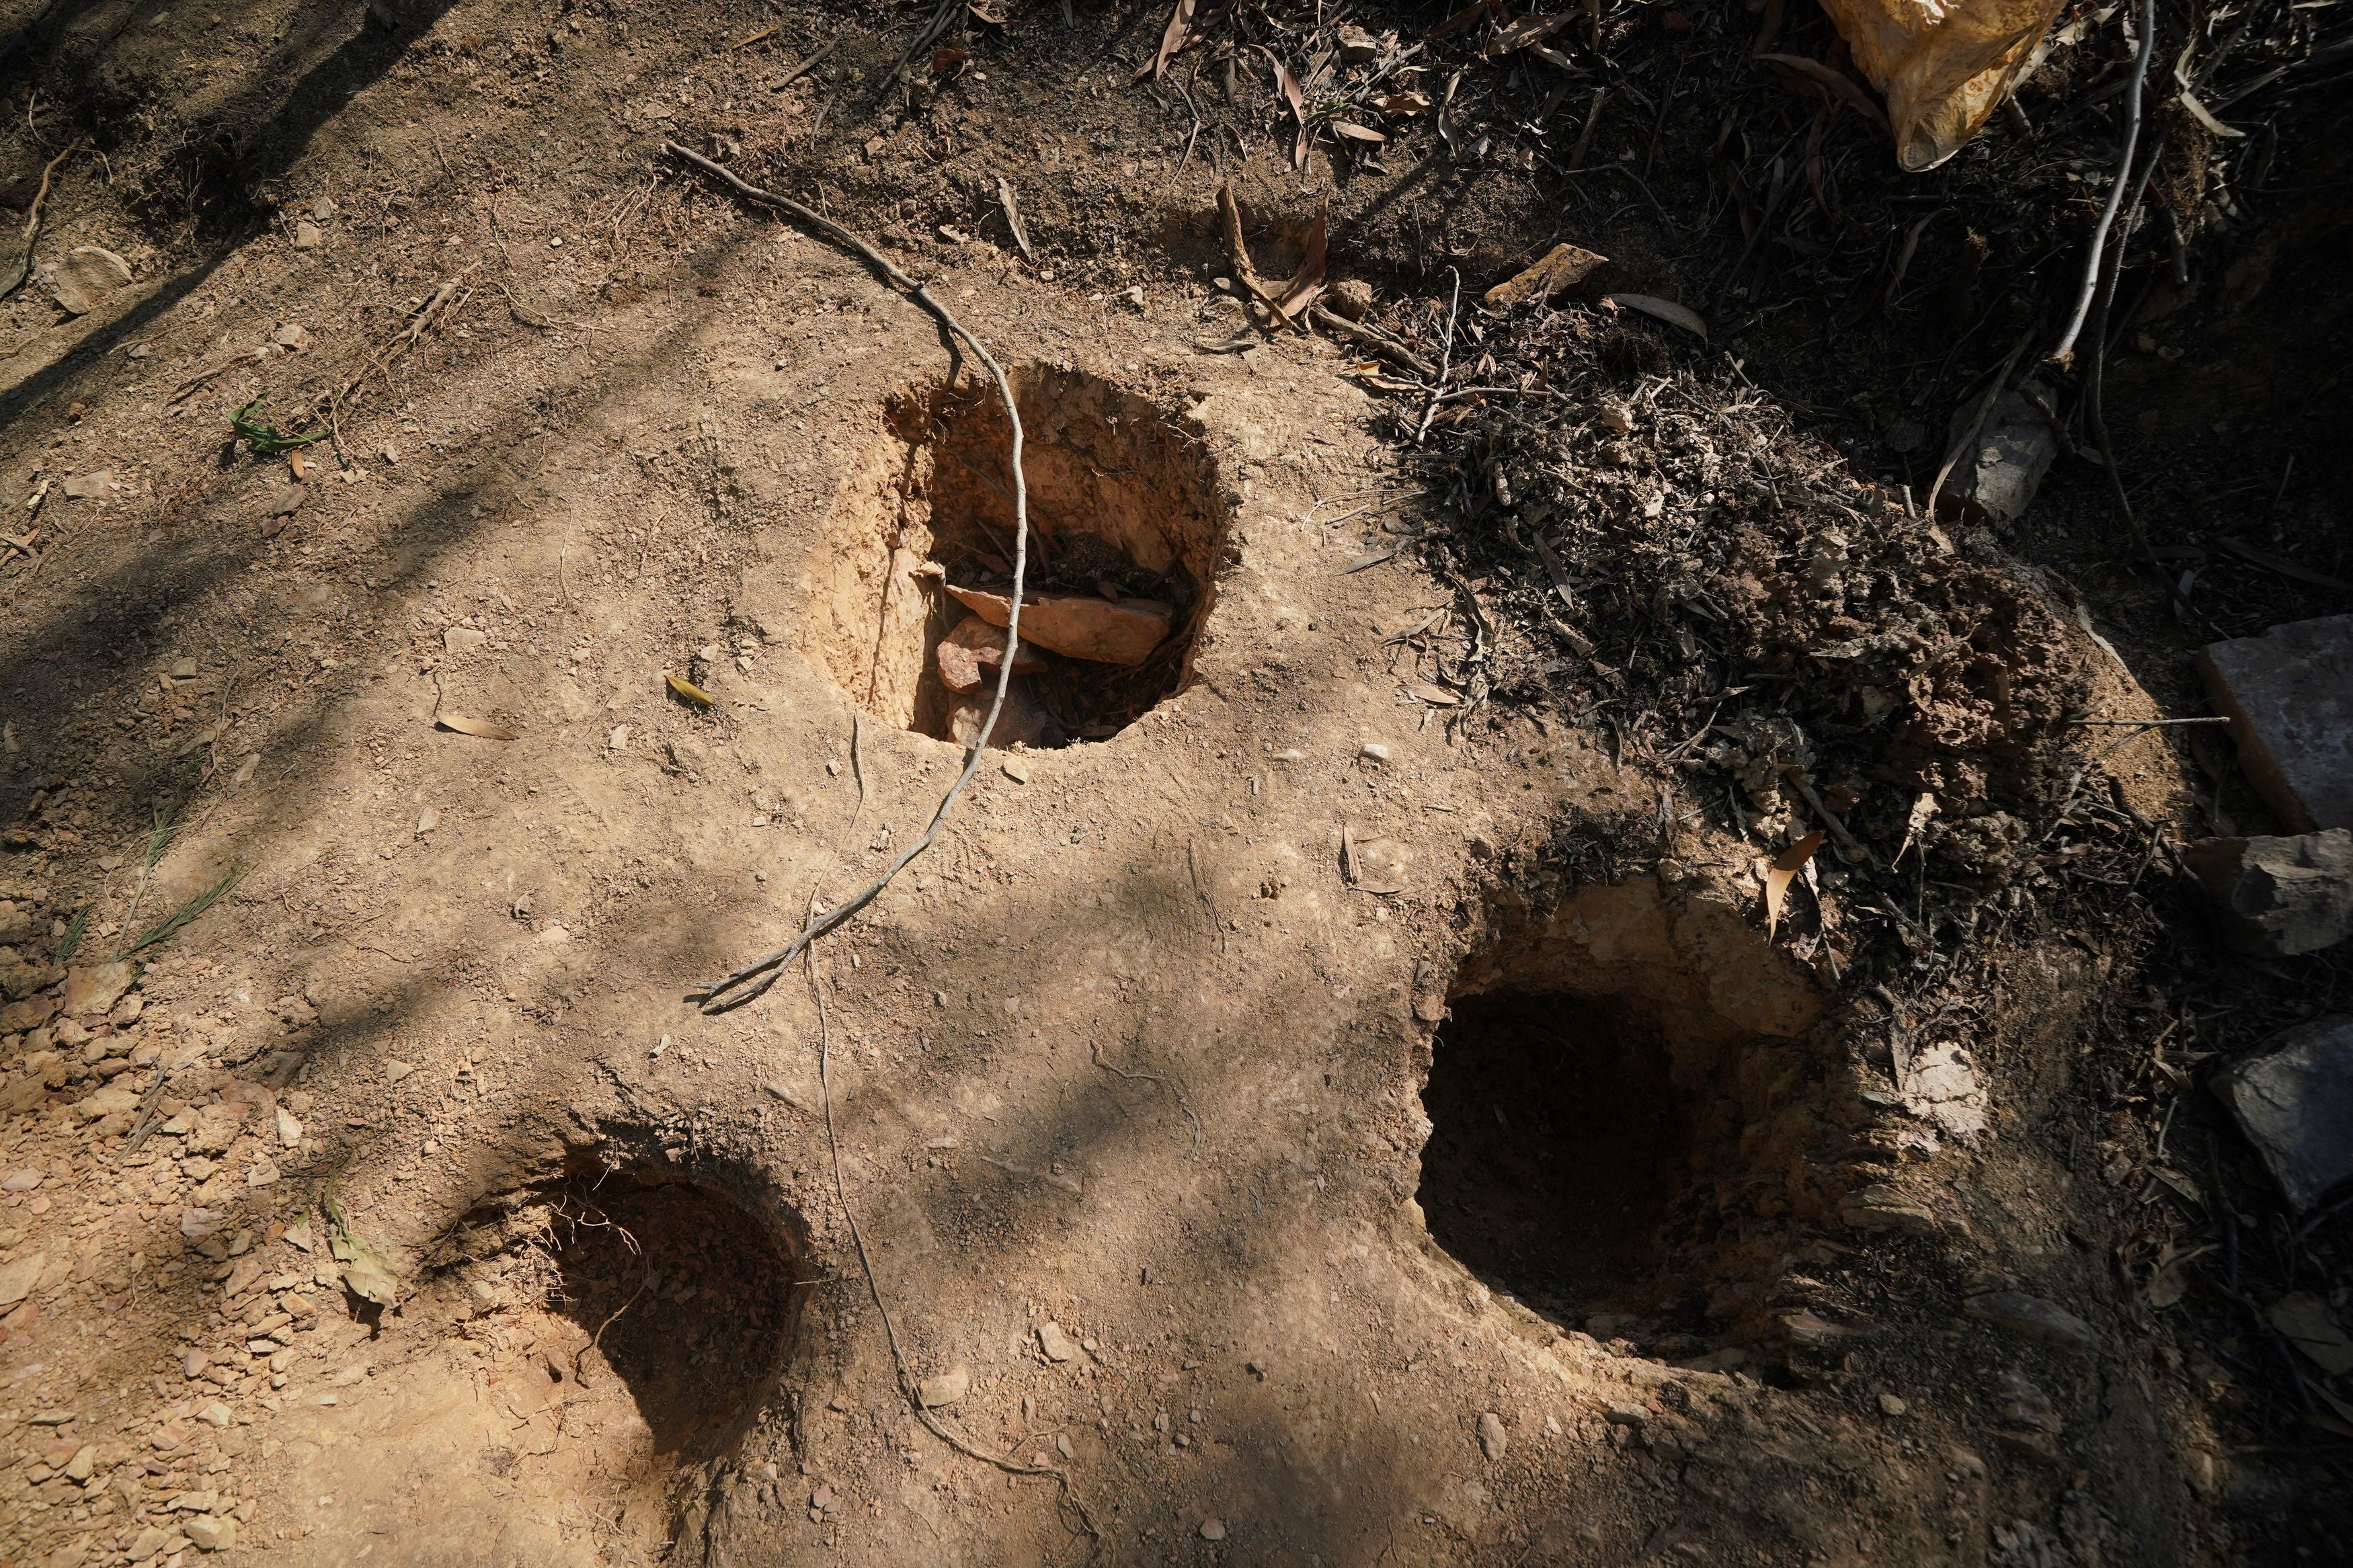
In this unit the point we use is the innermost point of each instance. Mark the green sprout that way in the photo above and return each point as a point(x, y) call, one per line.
point(261, 439)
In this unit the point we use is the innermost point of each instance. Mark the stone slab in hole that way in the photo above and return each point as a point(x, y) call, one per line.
point(82, 281)
point(1024, 721)
point(2289, 697)
point(1997, 477)
point(2293, 1099)
point(1108, 631)
point(973, 651)
point(2279, 898)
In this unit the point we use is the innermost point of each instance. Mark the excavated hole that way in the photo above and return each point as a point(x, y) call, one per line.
point(670, 1288)
point(1124, 505)
point(1556, 1146)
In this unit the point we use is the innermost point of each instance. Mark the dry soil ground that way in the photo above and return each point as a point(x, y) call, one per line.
point(1347, 1106)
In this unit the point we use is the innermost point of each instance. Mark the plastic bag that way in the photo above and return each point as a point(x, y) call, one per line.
point(1942, 65)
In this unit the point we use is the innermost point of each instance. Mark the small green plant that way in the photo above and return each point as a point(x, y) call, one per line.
point(167, 822)
point(172, 923)
point(71, 944)
point(261, 439)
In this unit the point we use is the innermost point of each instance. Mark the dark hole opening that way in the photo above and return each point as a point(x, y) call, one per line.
point(689, 1300)
point(1553, 1146)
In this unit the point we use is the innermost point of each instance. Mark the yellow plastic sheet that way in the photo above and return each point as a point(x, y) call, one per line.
point(1942, 65)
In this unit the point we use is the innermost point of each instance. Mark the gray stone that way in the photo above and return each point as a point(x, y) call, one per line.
point(1493, 1441)
point(2279, 897)
point(1055, 1342)
point(2289, 695)
point(85, 277)
point(2035, 1318)
point(2293, 1099)
point(1998, 475)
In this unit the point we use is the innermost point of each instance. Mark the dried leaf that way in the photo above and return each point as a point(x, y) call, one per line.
point(465, 726)
point(1666, 311)
point(948, 59)
point(1172, 38)
point(688, 689)
point(1370, 558)
point(1355, 132)
point(1402, 104)
point(1525, 31)
point(2205, 116)
point(1347, 853)
point(1308, 281)
point(1436, 696)
point(1842, 87)
point(1785, 871)
point(1461, 21)
point(1288, 87)
point(1923, 808)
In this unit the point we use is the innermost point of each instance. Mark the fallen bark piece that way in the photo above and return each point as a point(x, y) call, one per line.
point(2279, 898)
point(973, 652)
point(2289, 695)
point(1024, 721)
point(2293, 1099)
point(1564, 267)
point(2035, 1318)
point(1108, 631)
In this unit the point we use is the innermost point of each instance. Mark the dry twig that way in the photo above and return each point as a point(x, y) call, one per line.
point(755, 978)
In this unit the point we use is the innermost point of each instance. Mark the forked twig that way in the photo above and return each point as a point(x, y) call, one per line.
point(2065, 352)
point(755, 978)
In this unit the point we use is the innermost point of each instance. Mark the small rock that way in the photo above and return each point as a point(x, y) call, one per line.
point(2293, 1099)
point(2289, 695)
point(22, 1181)
point(98, 988)
point(217, 1415)
point(89, 273)
point(195, 1502)
point(2035, 1318)
point(1357, 45)
point(426, 821)
point(1213, 1530)
point(1493, 1441)
point(293, 335)
point(1024, 721)
point(1998, 476)
point(17, 1279)
point(89, 485)
point(147, 1543)
point(194, 1362)
point(394, 1071)
point(210, 1533)
point(1374, 752)
point(974, 651)
point(80, 1468)
point(946, 1389)
point(1882, 1207)
point(1017, 769)
point(1889, 1404)
point(2024, 1404)
point(462, 639)
point(1349, 298)
point(2309, 1324)
point(822, 1498)
point(1619, 1413)
point(309, 236)
point(1055, 1342)
point(2279, 898)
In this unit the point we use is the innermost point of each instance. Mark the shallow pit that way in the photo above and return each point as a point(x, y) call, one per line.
point(1124, 511)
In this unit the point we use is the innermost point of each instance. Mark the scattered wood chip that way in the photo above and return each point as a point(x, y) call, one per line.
point(1404, 104)
point(1564, 267)
point(465, 726)
point(1784, 871)
point(687, 689)
point(1666, 311)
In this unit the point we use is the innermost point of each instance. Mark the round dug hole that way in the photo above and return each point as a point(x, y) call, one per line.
point(1556, 1143)
point(1127, 534)
point(670, 1291)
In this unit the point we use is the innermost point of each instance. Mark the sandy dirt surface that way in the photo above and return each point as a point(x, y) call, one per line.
point(1346, 1091)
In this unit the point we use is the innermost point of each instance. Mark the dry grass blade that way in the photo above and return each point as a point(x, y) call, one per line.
point(1666, 311)
point(1006, 198)
point(686, 690)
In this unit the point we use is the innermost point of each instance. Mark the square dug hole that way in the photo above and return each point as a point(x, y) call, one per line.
point(1127, 535)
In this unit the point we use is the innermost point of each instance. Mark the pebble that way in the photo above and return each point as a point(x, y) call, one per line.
point(394, 1071)
point(1493, 1441)
point(293, 335)
point(1213, 1530)
point(1890, 1405)
point(2034, 1317)
point(1055, 1342)
point(217, 1415)
point(309, 236)
point(21, 1181)
point(1373, 751)
point(211, 1534)
point(946, 1389)
point(1621, 1414)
